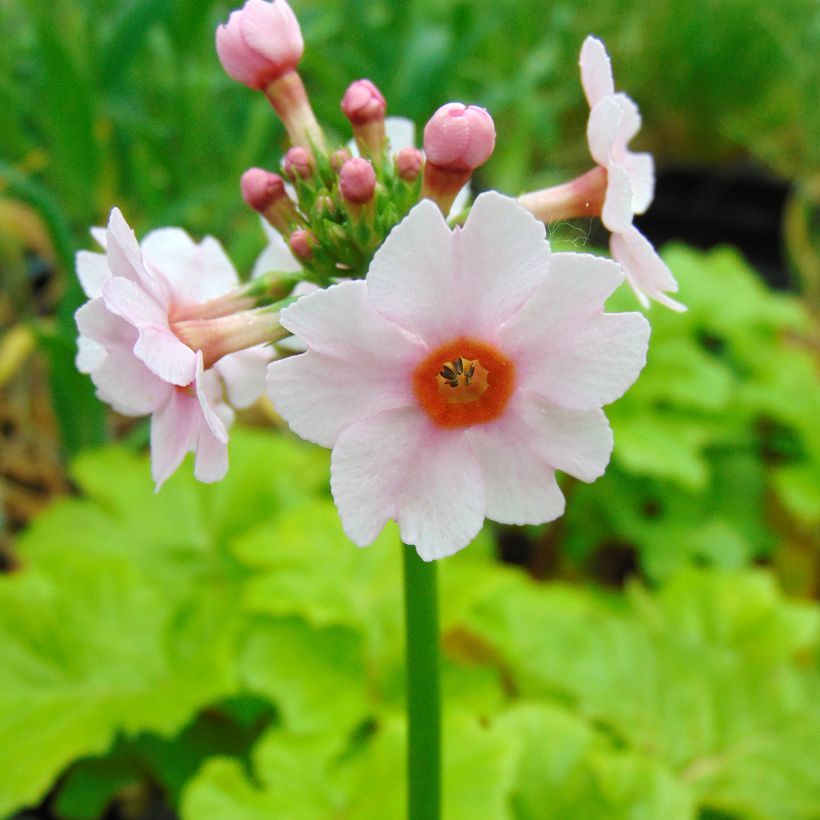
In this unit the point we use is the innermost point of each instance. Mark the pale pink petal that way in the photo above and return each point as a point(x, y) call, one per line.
point(578, 442)
point(320, 396)
point(165, 355)
point(641, 171)
point(90, 354)
point(519, 484)
point(440, 284)
point(646, 272)
point(272, 30)
point(244, 374)
point(125, 383)
point(630, 121)
point(617, 211)
point(341, 321)
point(174, 427)
point(602, 129)
point(125, 258)
point(276, 256)
point(211, 456)
point(100, 236)
point(93, 272)
point(129, 300)
point(195, 272)
point(396, 465)
point(209, 394)
point(596, 71)
point(240, 62)
point(410, 276)
point(564, 346)
point(95, 321)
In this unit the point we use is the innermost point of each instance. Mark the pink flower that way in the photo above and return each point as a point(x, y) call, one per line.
point(260, 43)
point(614, 120)
point(457, 378)
point(138, 364)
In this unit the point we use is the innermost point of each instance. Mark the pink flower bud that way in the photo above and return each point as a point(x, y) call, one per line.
point(338, 158)
point(408, 163)
point(298, 163)
point(459, 137)
point(357, 180)
point(260, 42)
point(324, 206)
point(260, 188)
point(363, 103)
point(302, 242)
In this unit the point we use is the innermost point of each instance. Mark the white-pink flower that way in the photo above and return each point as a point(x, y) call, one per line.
point(614, 120)
point(128, 346)
point(454, 381)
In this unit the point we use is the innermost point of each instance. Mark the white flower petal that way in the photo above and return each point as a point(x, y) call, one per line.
point(440, 284)
point(401, 133)
point(244, 374)
point(647, 274)
point(630, 121)
point(124, 258)
point(578, 442)
point(320, 396)
point(211, 456)
point(209, 393)
point(596, 70)
point(396, 465)
point(195, 272)
point(174, 427)
point(90, 354)
point(519, 484)
point(165, 355)
point(641, 170)
point(617, 211)
point(129, 300)
point(602, 129)
point(93, 272)
point(564, 347)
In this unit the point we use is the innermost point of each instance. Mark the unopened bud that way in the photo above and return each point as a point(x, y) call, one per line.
point(459, 137)
point(260, 188)
point(364, 105)
point(299, 164)
point(457, 140)
point(338, 158)
point(324, 205)
point(302, 242)
point(409, 162)
point(265, 192)
point(357, 179)
point(260, 42)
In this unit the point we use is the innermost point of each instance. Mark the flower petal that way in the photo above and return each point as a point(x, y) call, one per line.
point(320, 396)
point(209, 394)
point(396, 465)
point(93, 272)
point(195, 272)
point(244, 374)
point(578, 442)
point(129, 300)
point(617, 211)
point(602, 129)
point(440, 285)
point(565, 347)
point(630, 121)
point(641, 170)
point(174, 427)
point(401, 133)
point(125, 257)
point(596, 70)
point(647, 274)
point(166, 355)
point(519, 484)
point(211, 459)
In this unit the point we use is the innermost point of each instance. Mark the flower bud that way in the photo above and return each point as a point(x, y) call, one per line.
point(363, 103)
point(260, 188)
point(409, 162)
point(457, 140)
point(357, 179)
point(338, 158)
point(260, 42)
point(302, 242)
point(265, 192)
point(299, 164)
point(459, 137)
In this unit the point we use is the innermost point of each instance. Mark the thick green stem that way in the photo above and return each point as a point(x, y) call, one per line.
point(423, 700)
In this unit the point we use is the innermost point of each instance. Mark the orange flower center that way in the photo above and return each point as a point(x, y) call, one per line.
point(464, 382)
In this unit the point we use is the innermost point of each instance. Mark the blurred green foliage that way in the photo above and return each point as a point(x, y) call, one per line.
point(227, 645)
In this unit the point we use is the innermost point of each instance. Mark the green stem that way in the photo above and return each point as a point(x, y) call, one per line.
point(423, 701)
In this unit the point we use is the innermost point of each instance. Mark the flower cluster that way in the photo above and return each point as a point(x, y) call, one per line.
point(451, 363)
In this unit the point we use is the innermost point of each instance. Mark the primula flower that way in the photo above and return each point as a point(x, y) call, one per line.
point(454, 380)
point(614, 120)
point(139, 365)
